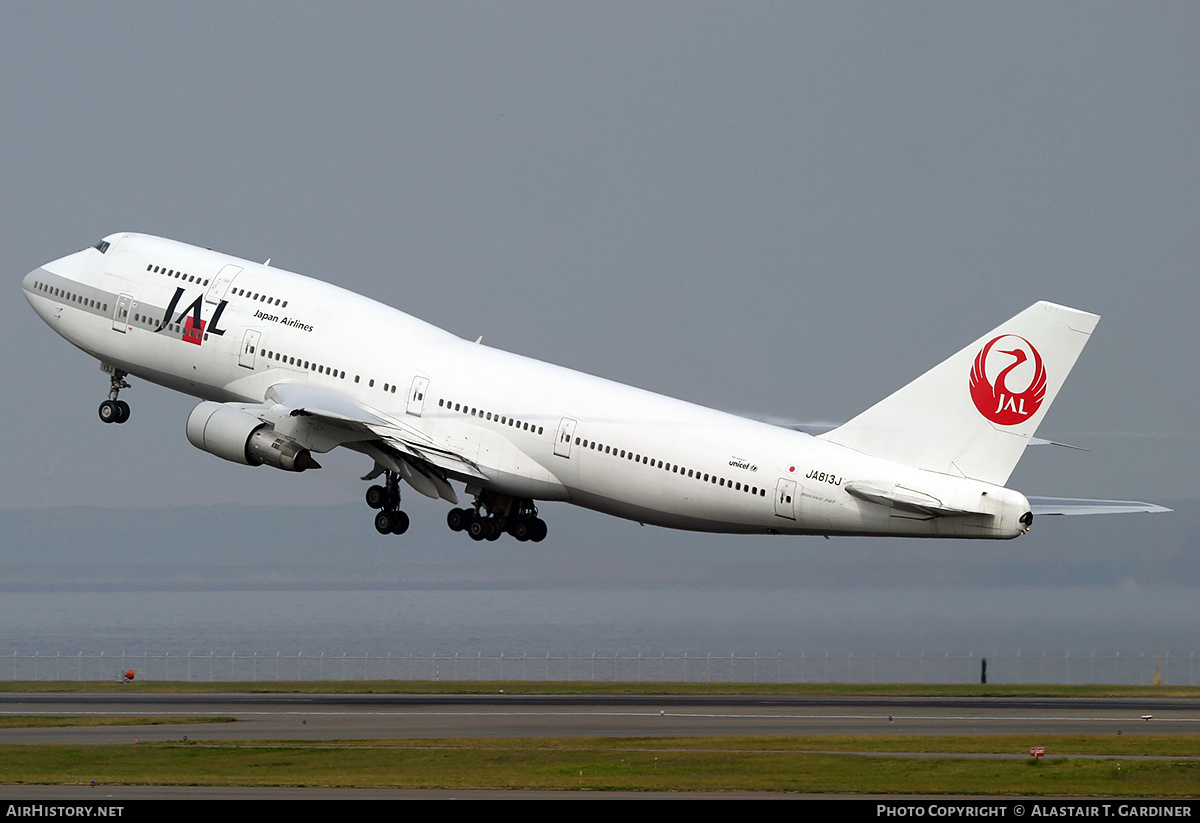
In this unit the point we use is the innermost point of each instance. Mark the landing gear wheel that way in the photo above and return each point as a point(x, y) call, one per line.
point(110, 412)
point(391, 522)
point(377, 497)
point(459, 519)
point(529, 528)
point(480, 528)
point(537, 530)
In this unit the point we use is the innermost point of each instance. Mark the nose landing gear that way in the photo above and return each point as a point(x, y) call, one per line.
point(113, 410)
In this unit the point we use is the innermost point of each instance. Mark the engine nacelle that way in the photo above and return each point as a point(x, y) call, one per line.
point(235, 435)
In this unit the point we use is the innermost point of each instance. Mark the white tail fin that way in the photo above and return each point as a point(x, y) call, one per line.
point(974, 414)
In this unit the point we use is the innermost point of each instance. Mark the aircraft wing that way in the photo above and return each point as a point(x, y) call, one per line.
point(323, 402)
point(323, 418)
point(1076, 505)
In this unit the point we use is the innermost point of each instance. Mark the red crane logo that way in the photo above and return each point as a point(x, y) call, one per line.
point(1017, 391)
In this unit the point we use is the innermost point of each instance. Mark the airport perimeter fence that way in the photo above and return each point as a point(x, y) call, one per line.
point(1095, 668)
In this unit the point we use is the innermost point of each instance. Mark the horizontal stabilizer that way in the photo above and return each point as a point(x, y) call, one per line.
point(903, 499)
point(1077, 505)
point(1040, 441)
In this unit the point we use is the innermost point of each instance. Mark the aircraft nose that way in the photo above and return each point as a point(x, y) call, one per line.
point(39, 284)
point(27, 283)
point(30, 285)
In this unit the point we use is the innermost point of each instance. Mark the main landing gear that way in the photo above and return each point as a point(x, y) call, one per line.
point(389, 519)
point(113, 410)
point(515, 515)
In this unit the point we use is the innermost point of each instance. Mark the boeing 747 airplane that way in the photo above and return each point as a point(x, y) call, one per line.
point(287, 367)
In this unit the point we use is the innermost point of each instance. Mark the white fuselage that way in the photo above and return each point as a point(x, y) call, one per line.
point(227, 330)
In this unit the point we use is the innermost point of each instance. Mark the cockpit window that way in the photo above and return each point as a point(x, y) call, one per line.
point(102, 246)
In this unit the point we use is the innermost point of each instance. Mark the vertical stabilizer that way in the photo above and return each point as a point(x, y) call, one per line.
point(974, 414)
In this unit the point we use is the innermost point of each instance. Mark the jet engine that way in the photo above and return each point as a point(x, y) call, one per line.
point(233, 434)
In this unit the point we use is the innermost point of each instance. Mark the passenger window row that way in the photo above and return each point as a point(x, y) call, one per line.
point(69, 297)
point(178, 275)
point(301, 363)
point(503, 420)
point(152, 323)
point(319, 368)
point(239, 292)
point(674, 468)
point(262, 298)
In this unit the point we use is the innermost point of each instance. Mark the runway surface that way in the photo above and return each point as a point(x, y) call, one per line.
point(383, 717)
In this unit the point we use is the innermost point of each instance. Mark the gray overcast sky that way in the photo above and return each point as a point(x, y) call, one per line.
point(784, 209)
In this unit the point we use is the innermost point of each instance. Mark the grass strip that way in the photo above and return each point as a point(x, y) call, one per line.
point(755, 764)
